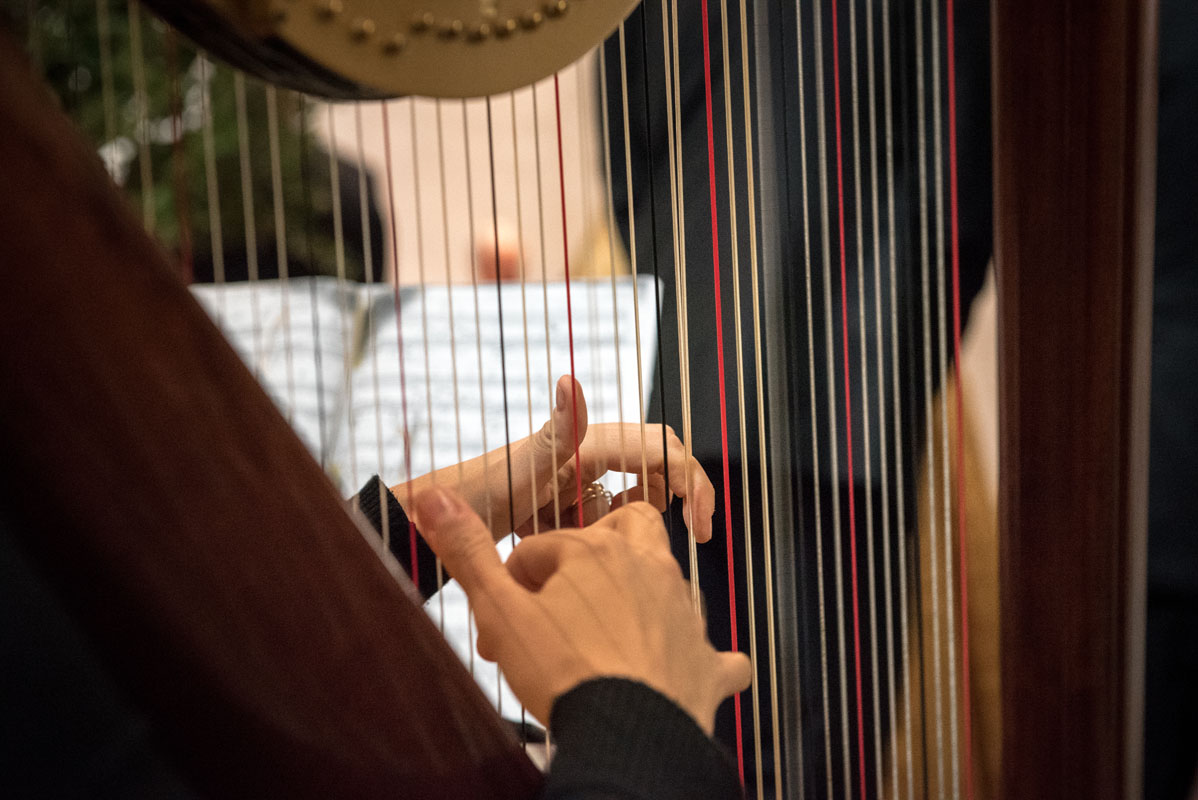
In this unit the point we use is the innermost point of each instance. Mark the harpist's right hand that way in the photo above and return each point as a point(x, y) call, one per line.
point(607, 600)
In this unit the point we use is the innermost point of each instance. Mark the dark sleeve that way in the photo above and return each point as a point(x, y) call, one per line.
point(378, 504)
point(619, 739)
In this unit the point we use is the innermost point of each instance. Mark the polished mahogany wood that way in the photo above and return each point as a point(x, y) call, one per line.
point(198, 544)
point(1074, 105)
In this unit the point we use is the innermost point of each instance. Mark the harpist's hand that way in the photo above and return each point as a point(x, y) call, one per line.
point(543, 467)
point(607, 600)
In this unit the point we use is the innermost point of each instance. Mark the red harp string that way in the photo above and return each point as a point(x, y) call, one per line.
point(719, 327)
point(848, 401)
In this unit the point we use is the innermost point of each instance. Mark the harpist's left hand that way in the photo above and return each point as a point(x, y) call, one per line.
point(544, 473)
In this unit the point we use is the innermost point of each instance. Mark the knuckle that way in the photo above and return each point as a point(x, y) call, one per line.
point(544, 441)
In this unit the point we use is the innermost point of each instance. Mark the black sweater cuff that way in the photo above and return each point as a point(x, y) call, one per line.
point(371, 501)
point(618, 738)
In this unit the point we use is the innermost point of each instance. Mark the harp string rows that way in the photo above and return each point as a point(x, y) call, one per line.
point(870, 271)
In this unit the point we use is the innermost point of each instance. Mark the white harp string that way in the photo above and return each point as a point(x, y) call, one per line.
point(611, 265)
point(632, 256)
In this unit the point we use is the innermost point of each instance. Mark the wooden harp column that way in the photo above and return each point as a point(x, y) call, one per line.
point(1074, 143)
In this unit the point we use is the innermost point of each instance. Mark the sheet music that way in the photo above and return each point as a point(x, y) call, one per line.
point(328, 353)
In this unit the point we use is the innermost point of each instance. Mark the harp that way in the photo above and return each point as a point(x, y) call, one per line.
point(108, 442)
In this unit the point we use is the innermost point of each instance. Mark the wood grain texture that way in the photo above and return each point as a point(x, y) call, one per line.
point(202, 549)
point(1074, 101)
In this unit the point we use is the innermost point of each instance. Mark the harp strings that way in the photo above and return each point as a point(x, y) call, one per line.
point(767, 545)
point(632, 243)
point(746, 502)
point(881, 706)
point(678, 210)
point(962, 538)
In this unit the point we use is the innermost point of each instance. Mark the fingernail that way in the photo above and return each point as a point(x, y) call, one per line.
point(561, 397)
point(435, 506)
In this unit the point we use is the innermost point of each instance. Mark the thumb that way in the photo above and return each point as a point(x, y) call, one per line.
point(558, 439)
point(735, 673)
point(464, 544)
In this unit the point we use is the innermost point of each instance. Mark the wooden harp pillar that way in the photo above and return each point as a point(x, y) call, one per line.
point(1074, 103)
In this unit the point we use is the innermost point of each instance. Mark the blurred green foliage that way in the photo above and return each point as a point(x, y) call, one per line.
point(86, 50)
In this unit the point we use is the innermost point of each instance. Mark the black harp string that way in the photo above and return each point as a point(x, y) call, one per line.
point(422, 277)
point(671, 50)
point(507, 431)
point(453, 344)
point(657, 302)
point(553, 432)
point(610, 221)
point(532, 467)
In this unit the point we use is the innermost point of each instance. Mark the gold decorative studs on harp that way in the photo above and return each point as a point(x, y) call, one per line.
point(447, 48)
point(489, 22)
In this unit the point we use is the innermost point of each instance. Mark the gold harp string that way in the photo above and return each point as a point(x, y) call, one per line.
point(895, 378)
point(944, 372)
point(746, 516)
point(867, 448)
point(929, 397)
point(883, 459)
point(766, 541)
